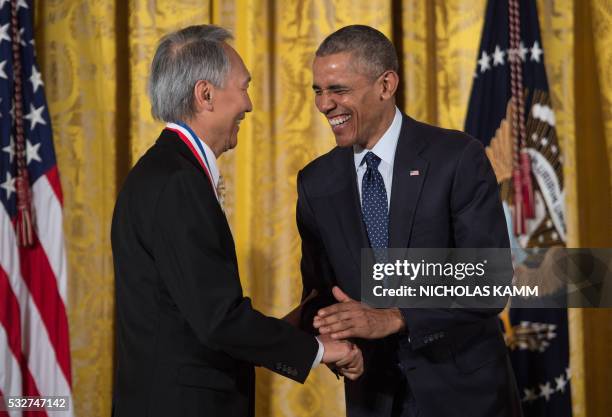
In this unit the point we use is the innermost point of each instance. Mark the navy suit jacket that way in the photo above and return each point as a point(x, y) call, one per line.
point(456, 355)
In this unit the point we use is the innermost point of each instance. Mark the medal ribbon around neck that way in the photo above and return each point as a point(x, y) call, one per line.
point(196, 148)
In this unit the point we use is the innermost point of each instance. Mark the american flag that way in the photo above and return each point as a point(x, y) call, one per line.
point(511, 113)
point(34, 340)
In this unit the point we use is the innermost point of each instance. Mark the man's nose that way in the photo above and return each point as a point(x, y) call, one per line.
point(249, 107)
point(325, 102)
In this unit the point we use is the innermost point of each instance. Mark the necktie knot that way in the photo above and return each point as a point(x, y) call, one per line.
point(371, 160)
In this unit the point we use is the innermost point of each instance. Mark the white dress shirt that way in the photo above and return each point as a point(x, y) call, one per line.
point(385, 150)
point(320, 353)
point(212, 163)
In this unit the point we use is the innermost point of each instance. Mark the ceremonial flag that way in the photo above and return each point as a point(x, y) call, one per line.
point(510, 111)
point(34, 341)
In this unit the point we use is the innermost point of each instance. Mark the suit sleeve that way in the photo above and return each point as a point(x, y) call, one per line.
point(478, 222)
point(203, 280)
point(478, 216)
point(315, 267)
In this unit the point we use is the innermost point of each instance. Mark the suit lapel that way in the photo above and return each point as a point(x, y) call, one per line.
point(347, 207)
point(171, 139)
point(405, 192)
point(409, 171)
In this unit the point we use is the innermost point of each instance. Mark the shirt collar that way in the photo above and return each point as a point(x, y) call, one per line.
point(212, 162)
point(385, 147)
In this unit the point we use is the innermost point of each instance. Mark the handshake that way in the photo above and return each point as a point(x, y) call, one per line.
point(342, 357)
point(348, 319)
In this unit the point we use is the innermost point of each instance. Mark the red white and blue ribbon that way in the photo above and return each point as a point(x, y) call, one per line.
point(195, 146)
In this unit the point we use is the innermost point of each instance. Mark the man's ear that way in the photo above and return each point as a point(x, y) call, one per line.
point(203, 93)
point(389, 82)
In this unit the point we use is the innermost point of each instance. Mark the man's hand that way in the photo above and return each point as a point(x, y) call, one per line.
point(334, 350)
point(350, 318)
point(342, 357)
point(352, 365)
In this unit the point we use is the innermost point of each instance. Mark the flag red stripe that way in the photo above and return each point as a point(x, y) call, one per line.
point(11, 321)
point(53, 177)
point(9, 314)
point(41, 282)
point(30, 389)
point(2, 406)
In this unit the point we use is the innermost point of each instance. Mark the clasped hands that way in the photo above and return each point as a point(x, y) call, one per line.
point(342, 356)
point(351, 319)
point(347, 319)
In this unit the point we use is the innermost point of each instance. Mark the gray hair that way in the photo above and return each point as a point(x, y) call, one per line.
point(182, 58)
point(373, 51)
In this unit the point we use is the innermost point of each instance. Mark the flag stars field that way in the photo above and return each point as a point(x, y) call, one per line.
point(484, 62)
point(498, 56)
point(35, 79)
point(32, 152)
point(35, 116)
point(10, 149)
point(522, 51)
point(561, 383)
point(4, 36)
point(21, 40)
point(536, 52)
point(530, 395)
point(502, 56)
point(546, 391)
point(8, 185)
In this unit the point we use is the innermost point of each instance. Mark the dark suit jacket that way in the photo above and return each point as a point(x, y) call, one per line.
point(455, 361)
point(187, 339)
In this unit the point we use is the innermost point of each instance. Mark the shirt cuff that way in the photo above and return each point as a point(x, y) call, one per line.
point(320, 353)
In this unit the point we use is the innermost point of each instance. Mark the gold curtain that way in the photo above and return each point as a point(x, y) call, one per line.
point(95, 57)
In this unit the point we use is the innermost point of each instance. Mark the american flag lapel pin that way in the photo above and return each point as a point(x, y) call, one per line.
point(414, 173)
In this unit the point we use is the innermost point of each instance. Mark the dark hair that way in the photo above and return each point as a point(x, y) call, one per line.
point(373, 51)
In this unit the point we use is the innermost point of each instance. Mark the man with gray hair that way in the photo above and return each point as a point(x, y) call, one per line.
point(393, 182)
point(187, 339)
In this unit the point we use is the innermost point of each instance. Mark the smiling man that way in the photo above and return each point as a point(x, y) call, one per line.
point(187, 340)
point(393, 182)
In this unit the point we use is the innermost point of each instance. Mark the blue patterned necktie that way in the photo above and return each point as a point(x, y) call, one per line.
point(374, 208)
